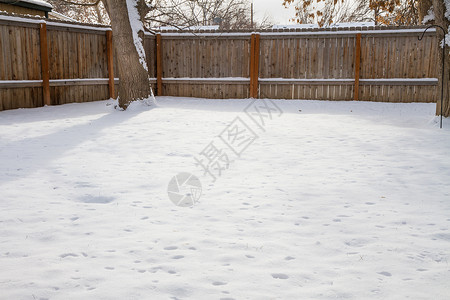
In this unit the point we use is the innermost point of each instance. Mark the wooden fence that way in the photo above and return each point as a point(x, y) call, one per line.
point(55, 63)
point(371, 64)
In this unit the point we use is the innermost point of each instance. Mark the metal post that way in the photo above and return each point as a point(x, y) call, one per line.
point(443, 64)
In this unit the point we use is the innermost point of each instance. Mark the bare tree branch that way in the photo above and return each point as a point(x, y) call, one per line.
point(81, 3)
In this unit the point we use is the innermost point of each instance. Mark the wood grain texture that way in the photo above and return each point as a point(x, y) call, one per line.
point(291, 65)
point(357, 65)
point(45, 64)
point(110, 58)
point(159, 66)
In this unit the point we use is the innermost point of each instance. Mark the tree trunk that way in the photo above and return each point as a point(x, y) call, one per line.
point(133, 84)
point(375, 14)
point(439, 9)
point(422, 8)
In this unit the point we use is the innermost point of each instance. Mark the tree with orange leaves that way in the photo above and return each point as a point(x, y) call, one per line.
point(381, 12)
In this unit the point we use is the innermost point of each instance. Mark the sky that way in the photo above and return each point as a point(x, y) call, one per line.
point(274, 9)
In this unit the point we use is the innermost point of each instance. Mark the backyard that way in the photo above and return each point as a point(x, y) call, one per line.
point(317, 200)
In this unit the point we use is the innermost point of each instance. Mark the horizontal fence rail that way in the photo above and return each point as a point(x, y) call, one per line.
point(53, 63)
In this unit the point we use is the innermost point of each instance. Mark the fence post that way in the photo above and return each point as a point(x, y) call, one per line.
point(44, 63)
point(254, 65)
point(159, 70)
point(110, 60)
point(357, 65)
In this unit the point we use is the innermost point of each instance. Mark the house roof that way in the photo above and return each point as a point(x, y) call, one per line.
point(33, 4)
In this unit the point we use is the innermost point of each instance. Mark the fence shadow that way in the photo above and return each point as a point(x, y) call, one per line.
point(22, 154)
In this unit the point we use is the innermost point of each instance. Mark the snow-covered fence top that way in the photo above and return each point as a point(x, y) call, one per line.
point(44, 62)
point(282, 33)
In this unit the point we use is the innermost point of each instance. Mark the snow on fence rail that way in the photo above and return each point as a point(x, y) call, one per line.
point(54, 63)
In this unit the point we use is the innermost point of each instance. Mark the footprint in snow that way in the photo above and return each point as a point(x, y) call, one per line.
point(359, 242)
point(385, 273)
point(217, 283)
point(96, 199)
point(279, 276)
point(82, 184)
point(171, 248)
point(177, 257)
point(68, 254)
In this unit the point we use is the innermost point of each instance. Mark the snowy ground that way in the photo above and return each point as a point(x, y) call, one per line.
point(346, 200)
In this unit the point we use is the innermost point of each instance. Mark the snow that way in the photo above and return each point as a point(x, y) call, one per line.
point(334, 25)
point(429, 17)
point(19, 19)
point(447, 15)
point(66, 25)
point(294, 33)
point(136, 27)
point(20, 81)
point(82, 79)
point(240, 79)
point(305, 79)
point(349, 32)
point(447, 9)
point(332, 200)
point(216, 34)
point(39, 21)
point(402, 80)
point(203, 27)
point(38, 2)
point(61, 16)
